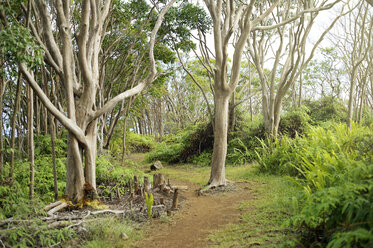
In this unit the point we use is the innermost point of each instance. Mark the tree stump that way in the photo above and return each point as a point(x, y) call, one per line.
point(158, 179)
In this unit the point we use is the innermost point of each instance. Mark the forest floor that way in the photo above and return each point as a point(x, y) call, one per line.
point(248, 213)
point(198, 217)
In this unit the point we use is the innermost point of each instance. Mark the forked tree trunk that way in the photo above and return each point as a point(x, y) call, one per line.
point(219, 154)
point(74, 170)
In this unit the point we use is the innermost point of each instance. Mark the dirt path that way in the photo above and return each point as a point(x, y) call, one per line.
point(200, 214)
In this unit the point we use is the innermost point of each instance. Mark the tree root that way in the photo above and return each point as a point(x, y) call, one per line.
point(205, 189)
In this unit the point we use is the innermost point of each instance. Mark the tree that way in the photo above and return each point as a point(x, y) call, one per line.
point(290, 57)
point(227, 20)
point(74, 54)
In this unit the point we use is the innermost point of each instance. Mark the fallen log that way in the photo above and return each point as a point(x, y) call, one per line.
point(108, 211)
point(58, 208)
point(180, 187)
point(52, 205)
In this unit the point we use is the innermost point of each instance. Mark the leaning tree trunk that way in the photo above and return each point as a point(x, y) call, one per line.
point(219, 154)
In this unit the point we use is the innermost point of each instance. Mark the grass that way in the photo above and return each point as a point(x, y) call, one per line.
point(260, 222)
point(200, 175)
point(262, 217)
point(111, 231)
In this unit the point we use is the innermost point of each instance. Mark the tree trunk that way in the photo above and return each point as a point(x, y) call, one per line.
point(74, 170)
point(2, 89)
point(37, 112)
point(124, 147)
point(300, 91)
point(232, 113)
point(90, 154)
point(30, 127)
point(53, 144)
point(351, 98)
point(219, 154)
point(14, 117)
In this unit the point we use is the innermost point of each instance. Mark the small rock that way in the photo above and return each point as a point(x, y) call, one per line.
point(124, 236)
point(156, 166)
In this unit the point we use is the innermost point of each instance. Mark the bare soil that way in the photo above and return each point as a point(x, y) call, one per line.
point(198, 216)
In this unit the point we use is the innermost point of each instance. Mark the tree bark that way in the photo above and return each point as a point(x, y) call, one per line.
point(53, 144)
point(14, 118)
point(219, 154)
point(2, 90)
point(30, 127)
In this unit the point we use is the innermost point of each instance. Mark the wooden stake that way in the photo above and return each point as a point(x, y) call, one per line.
point(136, 185)
point(118, 193)
point(146, 184)
point(176, 199)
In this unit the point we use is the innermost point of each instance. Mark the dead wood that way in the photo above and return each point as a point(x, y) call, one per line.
point(108, 211)
point(146, 184)
point(58, 208)
point(52, 205)
point(180, 187)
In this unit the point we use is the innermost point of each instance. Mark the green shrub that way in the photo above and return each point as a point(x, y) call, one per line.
point(110, 175)
point(34, 233)
point(294, 122)
point(184, 145)
point(334, 169)
point(135, 142)
point(326, 109)
point(203, 159)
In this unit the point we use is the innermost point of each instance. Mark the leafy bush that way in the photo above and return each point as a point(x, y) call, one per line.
point(34, 233)
point(110, 175)
point(294, 122)
point(326, 109)
point(203, 159)
point(184, 145)
point(334, 169)
point(135, 143)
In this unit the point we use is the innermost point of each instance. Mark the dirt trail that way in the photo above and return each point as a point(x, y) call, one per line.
point(199, 215)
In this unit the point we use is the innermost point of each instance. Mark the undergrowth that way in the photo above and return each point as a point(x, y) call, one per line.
point(334, 170)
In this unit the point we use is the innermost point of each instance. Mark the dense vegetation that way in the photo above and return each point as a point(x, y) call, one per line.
point(86, 86)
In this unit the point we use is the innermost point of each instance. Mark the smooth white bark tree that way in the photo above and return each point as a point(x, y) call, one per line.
point(74, 54)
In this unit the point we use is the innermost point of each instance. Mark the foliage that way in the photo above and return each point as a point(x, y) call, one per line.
point(108, 232)
point(334, 168)
point(184, 145)
point(325, 109)
point(18, 45)
point(135, 142)
point(34, 233)
point(149, 199)
point(111, 174)
point(294, 122)
point(203, 159)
